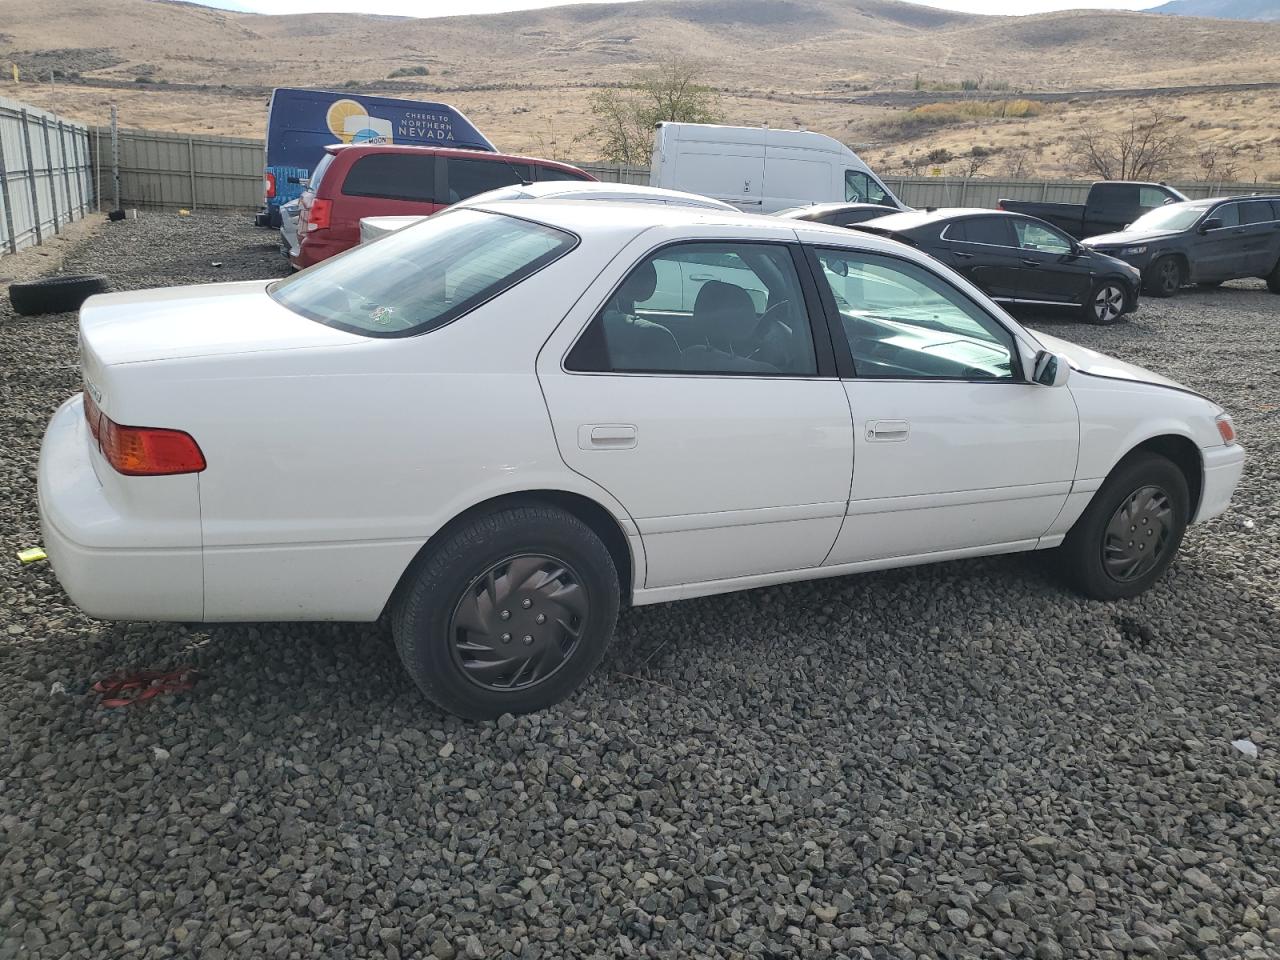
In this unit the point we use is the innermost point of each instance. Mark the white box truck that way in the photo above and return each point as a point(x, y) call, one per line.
point(761, 170)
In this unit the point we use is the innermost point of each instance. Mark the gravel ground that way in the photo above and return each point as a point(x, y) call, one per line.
point(962, 760)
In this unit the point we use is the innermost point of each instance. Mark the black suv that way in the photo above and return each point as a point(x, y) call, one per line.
point(1201, 241)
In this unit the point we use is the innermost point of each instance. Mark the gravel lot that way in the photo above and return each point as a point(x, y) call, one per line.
point(962, 760)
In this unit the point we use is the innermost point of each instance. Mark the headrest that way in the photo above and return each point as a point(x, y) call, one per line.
point(641, 285)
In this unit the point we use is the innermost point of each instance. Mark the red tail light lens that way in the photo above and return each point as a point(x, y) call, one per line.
point(270, 180)
point(142, 451)
point(318, 215)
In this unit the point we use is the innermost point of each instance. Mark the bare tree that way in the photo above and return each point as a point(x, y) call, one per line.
point(1020, 161)
point(1143, 148)
point(973, 162)
point(672, 91)
point(1219, 162)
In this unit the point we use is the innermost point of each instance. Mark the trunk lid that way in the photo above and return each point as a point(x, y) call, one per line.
point(197, 321)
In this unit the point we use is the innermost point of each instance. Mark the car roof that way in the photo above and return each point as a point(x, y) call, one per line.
point(629, 220)
point(594, 190)
point(913, 219)
point(363, 148)
point(820, 209)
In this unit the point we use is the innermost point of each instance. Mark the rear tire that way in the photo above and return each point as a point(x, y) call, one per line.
point(1165, 277)
point(1273, 279)
point(509, 613)
point(1145, 493)
point(1105, 304)
point(55, 294)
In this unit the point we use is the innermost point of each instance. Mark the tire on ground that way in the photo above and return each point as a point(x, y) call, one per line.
point(1273, 278)
point(1089, 309)
point(423, 608)
point(1159, 283)
point(55, 294)
point(1081, 554)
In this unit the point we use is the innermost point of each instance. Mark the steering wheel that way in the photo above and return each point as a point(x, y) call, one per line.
point(771, 334)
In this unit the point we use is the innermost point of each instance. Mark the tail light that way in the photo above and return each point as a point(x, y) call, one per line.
point(142, 451)
point(999, 204)
point(318, 215)
point(270, 180)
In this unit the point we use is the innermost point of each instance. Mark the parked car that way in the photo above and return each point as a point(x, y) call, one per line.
point(301, 123)
point(1019, 260)
point(505, 422)
point(1201, 241)
point(289, 229)
point(837, 214)
point(760, 170)
point(1111, 205)
point(374, 180)
point(373, 228)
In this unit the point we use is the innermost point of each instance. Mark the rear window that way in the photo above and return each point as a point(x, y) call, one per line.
point(466, 178)
point(424, 276)
point(554, 173)
point(393, 176)
point(318, 173)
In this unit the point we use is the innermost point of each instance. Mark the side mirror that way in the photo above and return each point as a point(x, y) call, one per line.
point(1213, 223)
point(1051, 369)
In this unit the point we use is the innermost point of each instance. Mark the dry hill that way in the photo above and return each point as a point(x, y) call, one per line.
point(526, 77)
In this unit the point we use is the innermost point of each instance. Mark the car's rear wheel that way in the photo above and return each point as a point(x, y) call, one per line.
point(1105, 304)
point(1273, 278)
point(509, 613)
point(1165, 277)
point(1128, 535)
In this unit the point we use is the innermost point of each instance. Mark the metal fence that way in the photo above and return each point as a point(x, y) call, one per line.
point(985, 192)
point(176, 170)
point(44, 175)
point(225, 173)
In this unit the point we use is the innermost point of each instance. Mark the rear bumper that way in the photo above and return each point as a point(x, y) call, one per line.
point(1222, 469)
point(312, 249)
point(99, 552)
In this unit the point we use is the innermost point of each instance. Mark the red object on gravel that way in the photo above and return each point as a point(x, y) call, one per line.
point(147, 683)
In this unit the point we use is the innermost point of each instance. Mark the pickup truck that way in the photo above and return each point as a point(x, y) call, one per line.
point(1111, 206)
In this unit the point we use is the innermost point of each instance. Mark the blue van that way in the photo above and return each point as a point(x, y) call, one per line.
point(301, 123)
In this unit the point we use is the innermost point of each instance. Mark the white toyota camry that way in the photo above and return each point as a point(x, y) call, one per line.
point(500, 424)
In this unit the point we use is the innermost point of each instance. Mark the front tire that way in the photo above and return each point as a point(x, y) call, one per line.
point(1105, 304)
point(509, 613)
point(1165, 277)
point(1130, 532)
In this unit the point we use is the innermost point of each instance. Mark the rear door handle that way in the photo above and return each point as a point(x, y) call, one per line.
point(888, 431)
point(607, 436)
point(962, 256)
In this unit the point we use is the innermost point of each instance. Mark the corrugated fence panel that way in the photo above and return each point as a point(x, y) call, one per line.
point(45, 181)
point(160, 169)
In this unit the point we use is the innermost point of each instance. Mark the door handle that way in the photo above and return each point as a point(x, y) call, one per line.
point(1030, 263)
point(962, 256)
point(607, 436)
point(888, 431)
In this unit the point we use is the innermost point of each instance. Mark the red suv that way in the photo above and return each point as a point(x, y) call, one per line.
point(370, 180)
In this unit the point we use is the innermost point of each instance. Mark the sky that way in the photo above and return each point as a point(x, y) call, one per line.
point(443, 8)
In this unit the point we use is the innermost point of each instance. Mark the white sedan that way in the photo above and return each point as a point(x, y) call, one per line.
point(506, 421)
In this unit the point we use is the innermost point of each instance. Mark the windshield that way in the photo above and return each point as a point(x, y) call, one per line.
point(1175, 216)
point(424, 276)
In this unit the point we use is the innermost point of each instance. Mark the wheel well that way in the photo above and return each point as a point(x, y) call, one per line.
point(601, 522)
point(1185, 455)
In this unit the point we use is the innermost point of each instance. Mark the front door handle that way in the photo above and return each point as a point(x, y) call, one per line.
point(1030, 263)
point(607, 436)
point(962, 256)
point(888, 431)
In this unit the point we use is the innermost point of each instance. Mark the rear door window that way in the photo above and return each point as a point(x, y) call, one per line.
point(1255, 211)
point(466, 177)
point(393, 176)
point(993, 231)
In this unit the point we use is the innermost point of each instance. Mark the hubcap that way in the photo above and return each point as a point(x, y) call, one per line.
point(1138, 535)
point(1109, 303)
point(518, 622)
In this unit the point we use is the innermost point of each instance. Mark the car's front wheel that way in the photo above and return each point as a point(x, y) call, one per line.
point(509, 613)
point(1128, 535)
point(1105, 304)
point(1165, 277)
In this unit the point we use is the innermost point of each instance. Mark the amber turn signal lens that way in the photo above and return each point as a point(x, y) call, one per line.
point(1226, 429)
